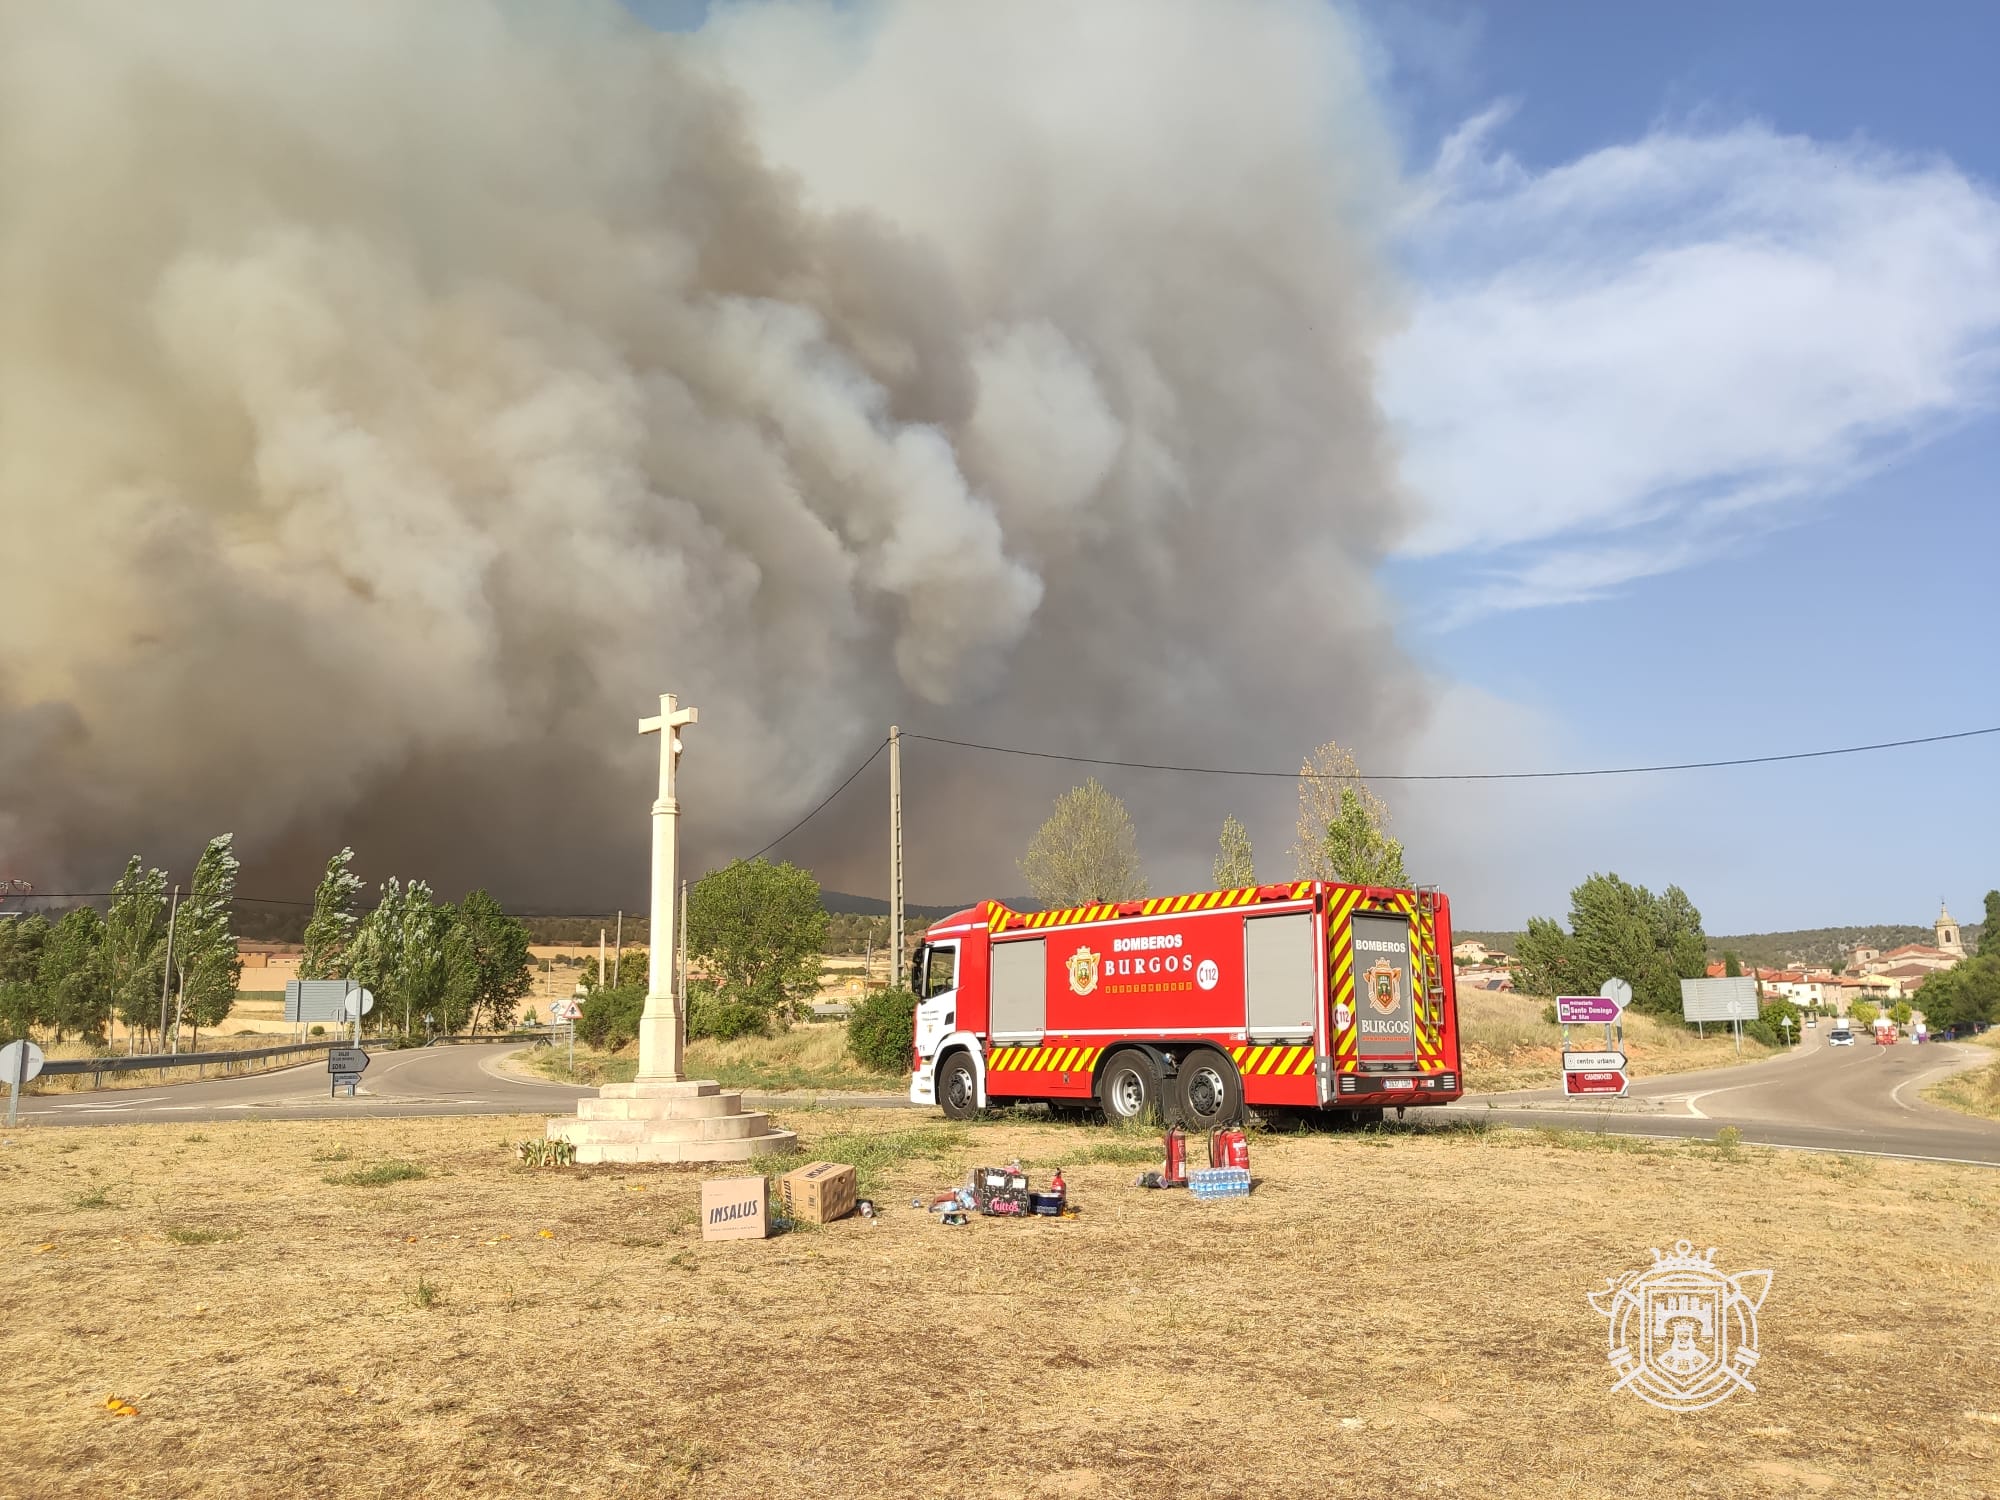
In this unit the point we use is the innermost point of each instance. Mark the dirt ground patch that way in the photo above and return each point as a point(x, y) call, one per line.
point(377, 1308)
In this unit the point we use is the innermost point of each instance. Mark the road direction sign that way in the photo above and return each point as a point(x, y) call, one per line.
point(1610, 1081)
point(20, 1061)
point(1593, 1062)
point(1581, 1010)
point(346, 1060)
point(359, 1002)
point(1617, 991)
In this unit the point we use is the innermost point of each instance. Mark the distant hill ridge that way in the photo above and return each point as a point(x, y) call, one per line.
point(1815, 947)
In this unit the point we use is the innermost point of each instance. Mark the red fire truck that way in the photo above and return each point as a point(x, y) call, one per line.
point(1295, 997)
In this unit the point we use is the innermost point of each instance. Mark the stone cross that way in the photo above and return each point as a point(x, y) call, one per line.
point(662, 1027)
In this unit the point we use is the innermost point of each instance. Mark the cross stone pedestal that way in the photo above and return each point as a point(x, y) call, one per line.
point(662, 1116)
point(656, 1121)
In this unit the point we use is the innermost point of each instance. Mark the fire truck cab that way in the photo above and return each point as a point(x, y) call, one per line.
point(1281, 998)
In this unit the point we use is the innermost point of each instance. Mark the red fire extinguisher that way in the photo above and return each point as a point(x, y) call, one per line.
point(1229, 1148)
point(1176, 1173)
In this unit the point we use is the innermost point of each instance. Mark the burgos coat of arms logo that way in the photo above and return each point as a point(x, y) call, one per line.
point(1083, 971)
point(1385, 986)
point(1683, 1334)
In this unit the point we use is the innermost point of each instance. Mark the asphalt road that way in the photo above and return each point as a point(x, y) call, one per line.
point(1861, 1099)
point(456, 1080)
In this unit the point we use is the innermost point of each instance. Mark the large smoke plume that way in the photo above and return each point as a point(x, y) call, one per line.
point(394, 397)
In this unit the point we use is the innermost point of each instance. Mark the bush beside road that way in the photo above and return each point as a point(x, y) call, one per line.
point(421, 1305)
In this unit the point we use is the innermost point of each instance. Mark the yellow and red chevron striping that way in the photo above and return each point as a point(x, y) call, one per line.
point(1277, 1062)
point(1042, 1059)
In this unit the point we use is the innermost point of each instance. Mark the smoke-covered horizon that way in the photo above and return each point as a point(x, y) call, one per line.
point(394, 400)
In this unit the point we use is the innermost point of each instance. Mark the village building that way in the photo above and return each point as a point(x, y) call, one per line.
point(1915, 960)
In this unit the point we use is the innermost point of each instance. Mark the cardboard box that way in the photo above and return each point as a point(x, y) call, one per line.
point(735, 1208)
point(996, 1190)
point(819, 1193)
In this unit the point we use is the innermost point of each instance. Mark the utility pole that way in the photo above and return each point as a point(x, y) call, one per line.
point(600, 958)
point(895, 857)
point(167, 973)
point(617, 950)
point(681, 978)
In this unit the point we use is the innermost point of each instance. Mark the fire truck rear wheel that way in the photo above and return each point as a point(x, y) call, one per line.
point(1208, 1092)
point(958, 1087)
point(1128, 1090)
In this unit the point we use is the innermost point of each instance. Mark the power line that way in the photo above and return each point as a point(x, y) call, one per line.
point(823, 803)
point(1691, 765)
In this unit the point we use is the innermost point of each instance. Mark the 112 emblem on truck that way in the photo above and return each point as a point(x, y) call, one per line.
point(1280, 998)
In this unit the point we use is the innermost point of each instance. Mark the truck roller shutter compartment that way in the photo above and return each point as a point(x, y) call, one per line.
point(1020, 990)
point(1280, 977)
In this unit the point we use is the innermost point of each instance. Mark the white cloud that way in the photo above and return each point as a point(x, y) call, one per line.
point(1621, 365)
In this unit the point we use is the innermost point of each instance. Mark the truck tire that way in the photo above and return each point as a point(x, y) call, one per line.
point(1208, 1091)
point(958, 1087)
point(1128, 1090)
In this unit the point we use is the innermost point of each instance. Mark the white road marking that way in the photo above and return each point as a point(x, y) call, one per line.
point(120, 1105)
point(1967, 1061)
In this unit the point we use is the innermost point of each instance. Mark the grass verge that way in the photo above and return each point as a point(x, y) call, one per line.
point(810, 1057)
point(1975, 1091)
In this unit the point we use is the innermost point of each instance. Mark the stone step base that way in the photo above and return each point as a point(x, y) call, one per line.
point(734, 1127)
point(746, 1148)
point(661, 1107)
point(656, 1088)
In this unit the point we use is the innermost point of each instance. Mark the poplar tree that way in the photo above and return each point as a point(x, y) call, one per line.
point(205, 956)
point(1086, 852)
point(1234, 866)
point(1328, 778)
point(331, 929)
point(1356, 850)
point(71, 976)
point(134, 948)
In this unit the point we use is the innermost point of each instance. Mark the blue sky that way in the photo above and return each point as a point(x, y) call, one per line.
point(1696, 389)
point(1794, 549)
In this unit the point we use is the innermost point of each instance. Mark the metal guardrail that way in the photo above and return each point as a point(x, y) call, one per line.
point(201, 1062)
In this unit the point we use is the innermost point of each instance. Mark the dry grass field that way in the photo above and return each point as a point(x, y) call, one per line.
point(396, 1308)
point(1976, 1092)
point(1507, 1045)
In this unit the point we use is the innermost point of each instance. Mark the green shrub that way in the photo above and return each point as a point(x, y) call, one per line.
point(1760, 1030)
point(379, 1175)
point(1549, 1015)
point(610, 1018)
point(881, 1031)
point(720, 1019)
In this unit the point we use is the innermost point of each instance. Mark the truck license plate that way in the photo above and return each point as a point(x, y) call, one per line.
point(1399, 1083)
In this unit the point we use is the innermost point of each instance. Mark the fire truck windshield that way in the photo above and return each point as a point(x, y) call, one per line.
point(933, 972)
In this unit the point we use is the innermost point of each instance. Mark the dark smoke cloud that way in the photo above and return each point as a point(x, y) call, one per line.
point(394, 398)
